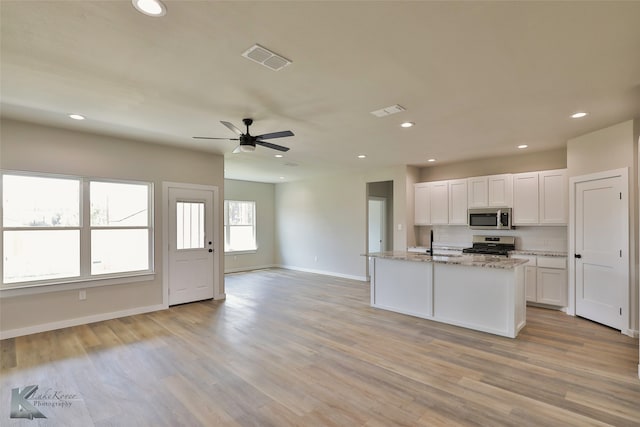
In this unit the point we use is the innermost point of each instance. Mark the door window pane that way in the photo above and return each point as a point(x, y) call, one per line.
point(116, 251)
point(190, 225)
point(119, 204)
point(40, 255)
point(33, 201)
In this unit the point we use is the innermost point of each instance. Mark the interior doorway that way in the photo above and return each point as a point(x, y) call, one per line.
point(379, 216)
point(600, 246)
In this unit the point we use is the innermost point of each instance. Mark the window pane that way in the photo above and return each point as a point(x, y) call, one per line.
point(241, 238)
point(116, 251)
point(241, 213)
point(40, 254)
point(190, 225)
point(119, 204)
point(32, 201)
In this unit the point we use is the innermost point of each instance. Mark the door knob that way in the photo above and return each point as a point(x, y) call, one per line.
point(210, 250)
point(578, 256)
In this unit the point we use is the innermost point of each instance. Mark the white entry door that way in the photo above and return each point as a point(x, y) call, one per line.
point(191, 250)
point(602, 250)
point(377, 224)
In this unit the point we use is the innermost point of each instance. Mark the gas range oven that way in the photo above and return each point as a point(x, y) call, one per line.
point(491, 245)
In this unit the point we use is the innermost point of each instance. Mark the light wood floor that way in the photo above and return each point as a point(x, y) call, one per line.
point(290, 348)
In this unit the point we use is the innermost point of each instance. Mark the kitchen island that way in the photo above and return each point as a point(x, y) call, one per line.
point(484, 293)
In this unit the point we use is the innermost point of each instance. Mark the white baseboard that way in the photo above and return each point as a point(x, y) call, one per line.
point(12, 333)
point(248, 268)
point(324, 273)
point(631, 333)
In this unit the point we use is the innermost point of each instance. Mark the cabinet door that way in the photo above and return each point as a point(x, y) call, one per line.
point(554, 197)
point(478, 192)
point(458, 202)
point(531, 283)
point(500, 190)
point(525, 198)
point(422, 203)
point(552, 286)
point(440, 202)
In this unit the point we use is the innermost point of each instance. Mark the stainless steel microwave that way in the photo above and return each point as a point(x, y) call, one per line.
point(490, 218)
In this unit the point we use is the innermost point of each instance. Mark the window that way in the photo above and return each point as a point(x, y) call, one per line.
point(239, 226)
point(189, 225)
point(50, 234)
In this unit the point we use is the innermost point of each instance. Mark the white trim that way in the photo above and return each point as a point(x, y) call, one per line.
point(218, 290)
point(69, 285)
point(324, 273)
point(631, 333)
point(12, 333)
point(249, 268)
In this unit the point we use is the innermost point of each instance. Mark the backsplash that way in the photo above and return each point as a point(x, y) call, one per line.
point(527, 238)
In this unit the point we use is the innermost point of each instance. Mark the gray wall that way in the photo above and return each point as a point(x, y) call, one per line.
point(264, 196)
point(29, 147)
point(521, 162)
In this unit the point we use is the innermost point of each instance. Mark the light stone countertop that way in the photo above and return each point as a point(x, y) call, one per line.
point(538, 253)
point(485, 261)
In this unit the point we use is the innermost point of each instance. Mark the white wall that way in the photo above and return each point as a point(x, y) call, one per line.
point(321, 224)
point(264, 196)
point(611, 148)
point(29, 147)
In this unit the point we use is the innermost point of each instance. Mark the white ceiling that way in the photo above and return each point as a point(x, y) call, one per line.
point(477, 78)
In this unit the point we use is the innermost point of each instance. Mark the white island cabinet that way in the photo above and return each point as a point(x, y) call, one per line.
point(477, 292)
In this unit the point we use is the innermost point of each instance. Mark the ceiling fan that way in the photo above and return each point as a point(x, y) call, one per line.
point(248, 142)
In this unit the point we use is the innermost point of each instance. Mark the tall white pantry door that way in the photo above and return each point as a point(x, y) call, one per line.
point(191, 245)
point(602, 250)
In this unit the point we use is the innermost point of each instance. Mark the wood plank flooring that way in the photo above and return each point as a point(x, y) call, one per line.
point(297, 349)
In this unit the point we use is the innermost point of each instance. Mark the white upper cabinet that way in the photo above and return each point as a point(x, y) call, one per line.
point(490, 191)
point(500, 190)
point(478, 196)
point(554, 197)
point(440, 202)
point(422, 203)
point(458, 202)
point(541, 198)
point(525, 198)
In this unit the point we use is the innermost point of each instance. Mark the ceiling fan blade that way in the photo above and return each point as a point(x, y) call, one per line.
point(275, 135)
point(274, 146)
point(209, 137)
point(236, 150)
point(232, 128)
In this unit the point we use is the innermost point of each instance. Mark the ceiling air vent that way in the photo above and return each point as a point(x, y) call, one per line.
point(389, 110)
point(266, 58)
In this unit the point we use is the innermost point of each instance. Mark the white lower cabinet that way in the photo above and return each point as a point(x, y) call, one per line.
point(545, 279)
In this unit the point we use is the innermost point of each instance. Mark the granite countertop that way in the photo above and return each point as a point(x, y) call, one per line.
point(538, 253)
point(464, 260)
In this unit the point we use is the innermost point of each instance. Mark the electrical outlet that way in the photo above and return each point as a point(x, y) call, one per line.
point(82, 295)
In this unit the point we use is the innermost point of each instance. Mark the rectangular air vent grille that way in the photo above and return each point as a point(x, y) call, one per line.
point(388, 111)
point(266, 58)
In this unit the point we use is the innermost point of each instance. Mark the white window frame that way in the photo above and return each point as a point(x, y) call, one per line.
point(85, 279)
point(227, 227)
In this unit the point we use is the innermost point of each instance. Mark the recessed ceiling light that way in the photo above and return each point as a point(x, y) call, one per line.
point(282, 177)
point(407, 124)
point(76, 117)
point(150, 7)
point(362, 156)
point(578, 115)
point(279, 156)
point(431, 160)
point(522, 146)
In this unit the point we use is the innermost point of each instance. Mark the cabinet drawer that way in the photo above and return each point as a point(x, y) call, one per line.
point(530, 258)
point(552, 262)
